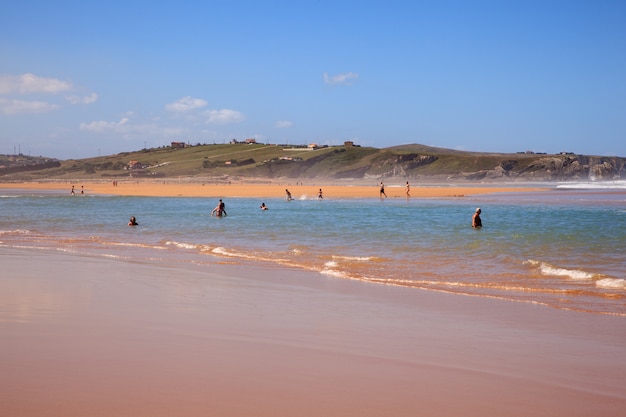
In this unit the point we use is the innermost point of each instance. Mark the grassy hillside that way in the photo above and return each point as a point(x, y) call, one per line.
point(234, 161)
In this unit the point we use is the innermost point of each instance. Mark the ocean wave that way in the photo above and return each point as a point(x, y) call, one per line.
point(14, 232)
point(334, 273)
point(181, 245)
point(547, 269)
point(354, 258)
point(611, 283)
point(594, 185)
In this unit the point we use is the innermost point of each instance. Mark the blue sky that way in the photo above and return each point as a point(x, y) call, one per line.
point(79, 79)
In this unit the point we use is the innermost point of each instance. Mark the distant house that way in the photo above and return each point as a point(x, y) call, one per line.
point(348, 144)
point(250, 140)
point(135, 165)
point(178, 144)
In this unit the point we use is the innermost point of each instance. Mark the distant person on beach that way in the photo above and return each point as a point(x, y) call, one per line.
point(476, 222)
point(133, 221)
point(263, 206)
point(219, 210)
point(72, 192)
point(382, 190)
point(288, 195)
point(319, 194)
point(82, 190)
point(408, 189)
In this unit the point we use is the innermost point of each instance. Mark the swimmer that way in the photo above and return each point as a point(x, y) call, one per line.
point(220, 210)
point(476, 222)
point(133, 221)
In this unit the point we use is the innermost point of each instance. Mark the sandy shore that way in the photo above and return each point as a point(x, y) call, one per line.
point(89, 336)
point(262, 189)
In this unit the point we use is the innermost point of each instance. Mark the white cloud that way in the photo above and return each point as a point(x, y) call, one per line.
point(224, 116)
point(343, 79)
point(101, 125)
point(91, 98)
point(186, 104)
point(22, 106)
point(30, 83)
point(282, 124)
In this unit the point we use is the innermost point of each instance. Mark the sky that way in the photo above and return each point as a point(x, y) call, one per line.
point(81, 79)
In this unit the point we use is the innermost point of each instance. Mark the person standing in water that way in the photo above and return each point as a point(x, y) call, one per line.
point(219, 210)
point(476, 222)
point(382, 190)
point(133, 221)
point(319, 194)
point(288, 195)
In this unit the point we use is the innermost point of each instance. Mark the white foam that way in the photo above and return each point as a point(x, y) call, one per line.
point(547, 269)
point(334, 273)
point(594, 185)
point(562, 272)
point(222, 251)
point(14, 232)
point(181, 245)
point(611, 283)
point(330, 264)
point(353, 258)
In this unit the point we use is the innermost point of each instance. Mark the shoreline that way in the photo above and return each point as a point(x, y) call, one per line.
point(158, 188)
point(95, 336)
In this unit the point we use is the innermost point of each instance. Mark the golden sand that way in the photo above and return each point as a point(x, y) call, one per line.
point(262, 190)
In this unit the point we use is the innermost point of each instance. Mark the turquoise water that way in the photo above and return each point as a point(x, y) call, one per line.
point(563, 248)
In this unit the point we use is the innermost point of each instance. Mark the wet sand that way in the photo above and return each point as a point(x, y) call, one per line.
point(265, 189)
point(88, 336)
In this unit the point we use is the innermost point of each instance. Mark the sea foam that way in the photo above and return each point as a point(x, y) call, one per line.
point(594, 185)
point(611, 283)
point(547, 269)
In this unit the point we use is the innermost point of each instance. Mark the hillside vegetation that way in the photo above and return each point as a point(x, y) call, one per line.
point(240, 161)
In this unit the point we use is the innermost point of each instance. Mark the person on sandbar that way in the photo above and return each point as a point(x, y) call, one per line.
point(133, 221)
point(476, 222)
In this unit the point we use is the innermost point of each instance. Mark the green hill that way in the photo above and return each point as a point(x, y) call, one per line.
point(240, 161)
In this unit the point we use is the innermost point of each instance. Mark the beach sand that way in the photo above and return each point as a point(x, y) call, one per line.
point(89, 336)
point(263, 189)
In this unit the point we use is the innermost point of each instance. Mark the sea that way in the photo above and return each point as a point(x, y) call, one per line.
point(564, 248)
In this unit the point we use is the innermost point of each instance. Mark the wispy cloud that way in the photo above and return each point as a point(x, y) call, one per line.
point(186, 104)
point(31, 83)
point(341, 79)
point(22, 106)
point(224, 116)
point(91, 98)
point(283, 124)
point(102, 126)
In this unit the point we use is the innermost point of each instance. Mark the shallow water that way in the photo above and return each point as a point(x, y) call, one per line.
point(563, 248)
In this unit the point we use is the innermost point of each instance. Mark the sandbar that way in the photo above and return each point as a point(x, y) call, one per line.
point(266, 189)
